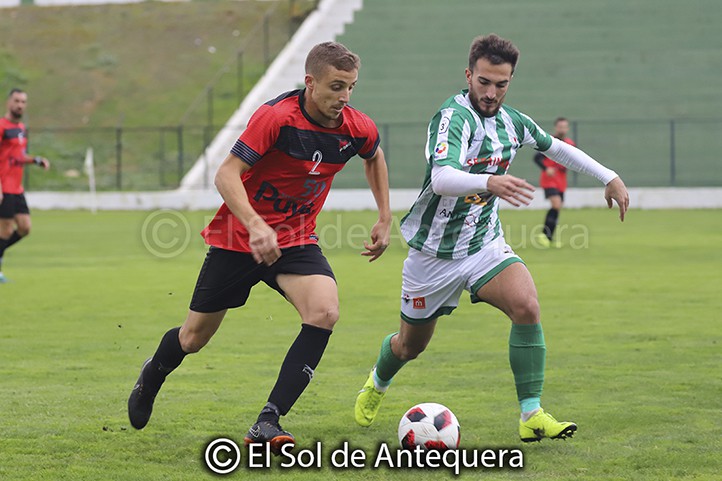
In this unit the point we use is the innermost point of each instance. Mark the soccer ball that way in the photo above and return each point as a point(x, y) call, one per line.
point(430, 425)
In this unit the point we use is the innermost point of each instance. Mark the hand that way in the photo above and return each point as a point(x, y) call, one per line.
point(1, 197)
point(380, 238)
point(512, 189)
point(45, 163)
point(550, 171)
point(263, 242)
point(618, 191)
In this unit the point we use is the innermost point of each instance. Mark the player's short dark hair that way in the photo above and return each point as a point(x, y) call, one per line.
point(333, 54)
point(14, 91)
point(560, 119)
point(495, 49)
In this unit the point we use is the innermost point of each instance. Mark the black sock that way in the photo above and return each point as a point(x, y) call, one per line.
point(13, 239)
point(167, 357)
point(3, 246)
point(297, 369)
point(550, 223)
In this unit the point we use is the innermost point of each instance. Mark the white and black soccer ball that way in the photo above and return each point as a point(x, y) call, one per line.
point(430, 425)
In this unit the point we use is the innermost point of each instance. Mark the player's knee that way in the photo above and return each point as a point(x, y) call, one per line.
point(526, 311)
point(409, 351)
point(23, 231)
point(192, 342)
point(325, 317)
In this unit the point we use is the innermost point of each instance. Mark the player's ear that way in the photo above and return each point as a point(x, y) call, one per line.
point(309, 81)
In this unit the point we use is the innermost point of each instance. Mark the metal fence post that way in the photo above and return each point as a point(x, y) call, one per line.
point(240, 87)
point(672, 154)
point(119, 157)
point(206, 144)
point(575, 135)
point(266, 41)
point(209, 93)
point(180, 154)
point(161, 156)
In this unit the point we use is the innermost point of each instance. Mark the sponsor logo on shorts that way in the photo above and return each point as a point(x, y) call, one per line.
point(419, 302)
point(406, 298)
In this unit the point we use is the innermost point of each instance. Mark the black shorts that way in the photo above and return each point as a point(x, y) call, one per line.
point(226, 278)
point(12, 205)
point(552, 192)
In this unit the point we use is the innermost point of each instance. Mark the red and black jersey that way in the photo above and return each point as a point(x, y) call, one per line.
point(294, 160)
point(559, 179)
point(13, 145)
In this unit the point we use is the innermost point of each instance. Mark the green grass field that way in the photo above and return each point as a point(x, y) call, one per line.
point(631, 316)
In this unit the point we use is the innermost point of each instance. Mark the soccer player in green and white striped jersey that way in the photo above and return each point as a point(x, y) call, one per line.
point(456, 240)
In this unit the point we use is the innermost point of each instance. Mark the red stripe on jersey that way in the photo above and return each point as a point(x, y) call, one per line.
point(294, 161)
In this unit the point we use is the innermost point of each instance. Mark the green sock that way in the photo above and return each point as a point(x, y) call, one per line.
point(387, 365)
point(527, 353)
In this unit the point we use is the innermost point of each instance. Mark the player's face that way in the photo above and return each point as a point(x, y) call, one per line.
point(16, 105)
point(488, 84)
point(561, 129)
point(328, 94)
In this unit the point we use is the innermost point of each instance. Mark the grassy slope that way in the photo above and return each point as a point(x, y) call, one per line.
point(630, 320)
point(138, 64)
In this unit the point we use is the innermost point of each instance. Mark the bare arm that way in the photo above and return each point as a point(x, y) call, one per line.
point(41, 161)
point(262, 238)
point(377, 175)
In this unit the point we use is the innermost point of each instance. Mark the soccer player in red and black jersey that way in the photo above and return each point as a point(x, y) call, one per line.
point(14, 211)
point(553, 180)
point(274, 183)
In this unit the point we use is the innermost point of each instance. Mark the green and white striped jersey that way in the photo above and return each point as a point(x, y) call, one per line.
point(457, 227)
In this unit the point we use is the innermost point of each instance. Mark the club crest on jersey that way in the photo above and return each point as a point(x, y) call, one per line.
point(317, 157)
point(441, 150)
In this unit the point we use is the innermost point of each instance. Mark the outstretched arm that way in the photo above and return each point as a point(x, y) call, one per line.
point(578, 161)
point(377, 175)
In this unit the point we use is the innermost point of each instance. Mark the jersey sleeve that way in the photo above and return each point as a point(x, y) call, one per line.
point(368, 149)
point(534, 135)
point(448, 139)
point(259, 137)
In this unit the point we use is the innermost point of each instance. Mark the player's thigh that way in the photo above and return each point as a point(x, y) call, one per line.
point(198, 329)
point(23, 223)
point(513, 292)
point(314, 296)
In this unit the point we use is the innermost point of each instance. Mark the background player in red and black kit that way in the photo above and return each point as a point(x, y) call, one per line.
point(553, 180)
point(274, 183)
point(14, 211)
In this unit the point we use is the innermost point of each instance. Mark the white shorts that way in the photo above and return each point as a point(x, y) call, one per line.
point(431, 287)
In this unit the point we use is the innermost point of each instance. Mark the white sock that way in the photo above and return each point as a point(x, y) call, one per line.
point(525, 416)
point(378, 383)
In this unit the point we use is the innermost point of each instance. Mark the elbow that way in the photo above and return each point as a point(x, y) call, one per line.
point(218, 179)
